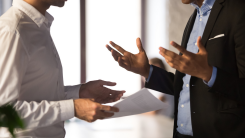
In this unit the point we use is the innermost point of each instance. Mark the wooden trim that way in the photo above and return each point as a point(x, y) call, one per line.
point(143, 23)
point(143, 36)
point(83, 39)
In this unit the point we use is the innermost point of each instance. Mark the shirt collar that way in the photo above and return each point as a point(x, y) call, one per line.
point(33, 13)
point(207, 6)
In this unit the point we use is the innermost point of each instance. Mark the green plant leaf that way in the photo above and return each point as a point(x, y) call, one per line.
point(9, 118)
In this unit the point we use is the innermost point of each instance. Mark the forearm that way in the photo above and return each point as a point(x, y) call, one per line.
point(44, 113)
point(161, 80)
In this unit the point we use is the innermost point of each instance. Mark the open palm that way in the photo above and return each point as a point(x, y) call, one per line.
point(96, 90)
point(137, 63)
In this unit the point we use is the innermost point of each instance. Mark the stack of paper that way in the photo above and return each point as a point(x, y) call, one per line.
point(140, 102)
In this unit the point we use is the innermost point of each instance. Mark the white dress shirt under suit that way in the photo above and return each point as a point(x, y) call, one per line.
point(184, 116)
point(31, 73)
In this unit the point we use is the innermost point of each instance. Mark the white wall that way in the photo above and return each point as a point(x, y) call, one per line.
point(112, 20)
point(65, 31)
point(156, 23)
point(5, 5)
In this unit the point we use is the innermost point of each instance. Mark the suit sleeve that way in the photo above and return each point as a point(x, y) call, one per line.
point(161, 81)
point(229, 85)
point(14, 60)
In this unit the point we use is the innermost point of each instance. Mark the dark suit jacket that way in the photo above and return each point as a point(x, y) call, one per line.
point(219, 111)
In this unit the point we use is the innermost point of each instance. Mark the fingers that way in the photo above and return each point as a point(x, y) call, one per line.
point(114, 53)
point(109, 108)
point(117, 47)
point(102, 114)
point(169, 55)
point(122, 63)
point(109, 95)
point(173, 65)
point(173, 59)
point(107, 83)
point(108, 47)
point(139, 45)
point(181, 49)
point(200, 45)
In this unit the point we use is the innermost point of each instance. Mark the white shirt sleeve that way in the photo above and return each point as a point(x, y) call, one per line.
point(14, 59)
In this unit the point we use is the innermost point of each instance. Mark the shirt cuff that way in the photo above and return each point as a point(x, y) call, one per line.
point(151, 70)
point(67, 109)
point(72, 91)
point(213, 78)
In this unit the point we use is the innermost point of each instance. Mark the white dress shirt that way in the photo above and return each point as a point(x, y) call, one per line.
point(31, 73)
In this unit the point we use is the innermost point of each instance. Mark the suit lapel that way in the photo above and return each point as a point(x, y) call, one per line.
point(188, 29)
point(211, 21)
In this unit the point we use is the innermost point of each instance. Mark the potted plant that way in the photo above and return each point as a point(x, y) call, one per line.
point(9, 118)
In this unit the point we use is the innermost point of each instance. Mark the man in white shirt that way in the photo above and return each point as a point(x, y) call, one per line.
point(31, 74)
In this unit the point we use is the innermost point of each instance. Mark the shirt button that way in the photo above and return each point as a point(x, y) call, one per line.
point(187, 85)
point(182, 125)
point(201, 19)
point(182, 106)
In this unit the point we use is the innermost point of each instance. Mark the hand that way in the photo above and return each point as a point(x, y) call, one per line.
point(101, 94)
point(88, 110)
point(137, 63)
point(189, 63)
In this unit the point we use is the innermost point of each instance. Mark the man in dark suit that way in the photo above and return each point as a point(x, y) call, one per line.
point(209, 84)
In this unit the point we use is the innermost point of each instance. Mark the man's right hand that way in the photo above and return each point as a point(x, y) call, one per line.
point(137, 63)
point(88, 110)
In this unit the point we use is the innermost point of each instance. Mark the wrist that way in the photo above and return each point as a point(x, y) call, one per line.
point(75, 107)
point(208, 75)
point(82, 91)
point(147, 71)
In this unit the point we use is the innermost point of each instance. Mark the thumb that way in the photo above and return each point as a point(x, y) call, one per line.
point(139, 45)
point(108, 83)
point(93, 100)
point(200, 45)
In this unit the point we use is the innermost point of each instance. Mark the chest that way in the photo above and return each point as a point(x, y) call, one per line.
point(44, 62)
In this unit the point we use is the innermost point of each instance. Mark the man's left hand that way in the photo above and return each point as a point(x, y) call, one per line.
point(101, 94)
point(189, 63)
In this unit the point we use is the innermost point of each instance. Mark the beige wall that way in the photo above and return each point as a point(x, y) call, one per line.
point(178, 16)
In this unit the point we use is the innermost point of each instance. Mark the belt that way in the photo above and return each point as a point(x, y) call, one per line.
point(178, 135)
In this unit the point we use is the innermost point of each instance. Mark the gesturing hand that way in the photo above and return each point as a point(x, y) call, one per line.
point(88, 110)
point(100, 94)
point(137, 63)
point(189, 63)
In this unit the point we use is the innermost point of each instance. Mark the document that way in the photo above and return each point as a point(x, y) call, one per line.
point(140, 102)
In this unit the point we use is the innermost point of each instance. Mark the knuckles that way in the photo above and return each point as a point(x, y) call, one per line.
point(187, 63)
point(93, 113)
point(94, 106)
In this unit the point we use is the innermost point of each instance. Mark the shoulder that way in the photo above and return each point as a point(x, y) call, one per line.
point(233, 10)
point(10, 21)
point(235, 5)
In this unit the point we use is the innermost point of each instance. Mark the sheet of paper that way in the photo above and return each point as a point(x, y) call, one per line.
point(140, 102)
